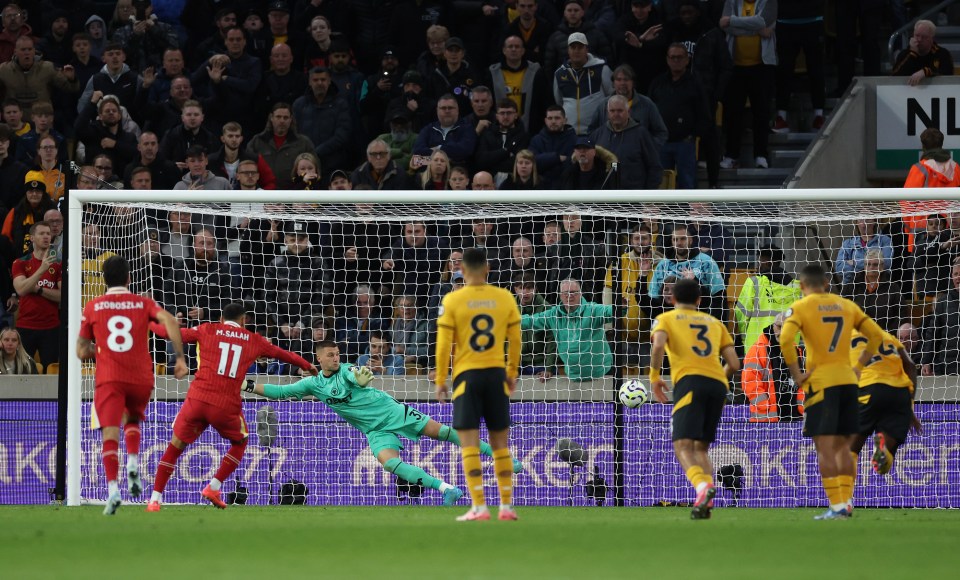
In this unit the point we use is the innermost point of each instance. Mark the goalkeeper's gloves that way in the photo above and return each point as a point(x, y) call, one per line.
point(249, 386)
point(363, 375)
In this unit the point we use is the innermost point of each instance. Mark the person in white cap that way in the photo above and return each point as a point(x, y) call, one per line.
point(581, 84)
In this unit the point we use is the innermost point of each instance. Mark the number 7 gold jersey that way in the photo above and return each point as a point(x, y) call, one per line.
point(827, 322)
point(694, 342)
point(477, 322)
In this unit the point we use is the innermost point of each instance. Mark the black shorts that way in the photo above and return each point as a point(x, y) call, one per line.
point(885, 409)
point(832, 411)
point(481, 394)
point(697, 405)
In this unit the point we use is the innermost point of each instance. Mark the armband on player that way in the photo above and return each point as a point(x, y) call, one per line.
point(249, 386)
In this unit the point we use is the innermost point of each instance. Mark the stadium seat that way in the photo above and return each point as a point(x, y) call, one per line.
point(53, 369)
point(669, 180)
point(160, 369)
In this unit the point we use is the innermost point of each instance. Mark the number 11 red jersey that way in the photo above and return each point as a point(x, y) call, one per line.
point(119, 323)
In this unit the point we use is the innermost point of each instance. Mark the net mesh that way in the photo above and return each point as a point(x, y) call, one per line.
point(371, 276)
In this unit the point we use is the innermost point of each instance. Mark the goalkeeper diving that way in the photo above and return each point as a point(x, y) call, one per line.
point(383, 419)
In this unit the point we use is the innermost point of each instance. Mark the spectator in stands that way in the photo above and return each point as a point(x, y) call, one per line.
point(852, 250)
point(553, 146)
point(437, 172)
point(800, 27)
point(55, 44)
point(87, 178)
point(276, 31)
point(163, 172)
point(48, 164)
point(104, 170)
point(163, 116)
point(636, 270)
point(412, 103)
point(762, 296)
point(498, 146)
point(379, 89)
point(13, 117)
point(639, 160)
point(363, 316)
point(226, 161)
point(412, 263)
point(380, 357)
point(686, 261)
point(340, 181)
point(297, 286)
point(157, 267)
point(29, 79)
point(642, 109)
point(14, 360)
point(574, 23)
point(400, 140)
point(316, 50)
point(579, 256)
point(98, 128)
point(483, 113)
point(156, 83)
point(36, 279)
point(582, 82)
point(709, 234)
point(11, 172)
point(305, 173)
point(409, 24)
point(524, 174)
point(908, 335)
point(348, 80)
point(877, 293)
point(932, 255)
point(577, 326)
point(54, 219)
point(925, 58)
point(409, 332)
point(751, 38)
point(145, 37)
point(592, 168)
point(189, 133)
point(231, 79)
point(93, 256)
point(198, 176)
point(180, 234)
point(281, 84)
point(459, 179)
point(41, 125)
point(379, 171)
point(201, 283)
point(448, 133)
point(482, 233)
point(538, 354)
point(482, 181)
point(28, 211)
point(14, 28)
point(211, 44)
point(455, 76)
point(941, 333)
point(936, 167)
point(433, 58)
point(96, 29)
point(521, 80)
point(280, 143)
point(682, 103)
point(323, 116)
point(115, 78)
point(452, 267)
point(642, 42)
point(524, 262)
point(533, 30)
point(766, 379)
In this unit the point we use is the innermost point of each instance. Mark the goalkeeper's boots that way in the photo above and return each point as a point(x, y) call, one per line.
point(704, 503)
point(134, 485)
point(517, 466)
point(213, 497)
point(452, 495)
point(831, 514)
point(475, 516)
point(507, 515)
point(881, 457)
point(153, 506)
point(113, 502)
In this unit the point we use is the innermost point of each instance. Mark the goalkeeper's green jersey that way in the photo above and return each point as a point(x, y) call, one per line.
point(365, 408)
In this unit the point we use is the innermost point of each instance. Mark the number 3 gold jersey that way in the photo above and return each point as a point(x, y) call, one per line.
point(477, 322)
point(694, 342)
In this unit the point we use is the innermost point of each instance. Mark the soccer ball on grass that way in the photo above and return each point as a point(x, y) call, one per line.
point(633, 393)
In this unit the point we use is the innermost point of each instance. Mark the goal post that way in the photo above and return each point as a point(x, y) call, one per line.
point(625, 448)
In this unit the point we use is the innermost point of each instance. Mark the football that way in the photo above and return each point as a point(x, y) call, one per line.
point(633, 393)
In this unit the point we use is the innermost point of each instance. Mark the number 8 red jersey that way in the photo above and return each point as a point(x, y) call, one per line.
point(119, 324)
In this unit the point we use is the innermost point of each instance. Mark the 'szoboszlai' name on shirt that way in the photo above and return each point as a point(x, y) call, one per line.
point(126, 305)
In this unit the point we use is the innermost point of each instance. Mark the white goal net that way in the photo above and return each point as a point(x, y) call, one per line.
point(588, 275)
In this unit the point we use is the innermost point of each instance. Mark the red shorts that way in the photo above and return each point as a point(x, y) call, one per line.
point(195, 416)
point(110, 400)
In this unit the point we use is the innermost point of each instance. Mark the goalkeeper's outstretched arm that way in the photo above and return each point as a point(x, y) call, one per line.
point(297, 390)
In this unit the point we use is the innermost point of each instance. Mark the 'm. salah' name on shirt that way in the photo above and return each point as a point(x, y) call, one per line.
point(126, 305)
point(233, 334)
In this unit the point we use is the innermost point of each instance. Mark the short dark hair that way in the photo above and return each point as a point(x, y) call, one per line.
point(814, 275)
point(113, 46)
point(116, 271)
point(686, 291)
point(319, 69)
point(39, 224)
point(556, 108)
point(507, 103)
point(235, 311)
point(379, 335)
point(474, 258)
point(325, 344)
point(931, 138)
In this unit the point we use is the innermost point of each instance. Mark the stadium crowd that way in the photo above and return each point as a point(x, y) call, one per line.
point(406, 94)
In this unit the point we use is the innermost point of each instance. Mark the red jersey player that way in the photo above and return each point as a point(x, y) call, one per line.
point(114, 330)
point(214, 395)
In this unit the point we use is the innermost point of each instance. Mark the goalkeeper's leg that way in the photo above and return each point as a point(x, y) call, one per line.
point(440, 432)
point(391, 462)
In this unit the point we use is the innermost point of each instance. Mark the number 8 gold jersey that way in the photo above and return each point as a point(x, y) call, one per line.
point(694, 342)
point(476, 321)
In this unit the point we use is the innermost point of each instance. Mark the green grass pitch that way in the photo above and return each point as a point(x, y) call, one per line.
point(285, 542)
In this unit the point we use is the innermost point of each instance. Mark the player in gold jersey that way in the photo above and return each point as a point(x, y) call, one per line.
point(695, 341)
point(887, 387)
point(480, 322)
point(826, 322)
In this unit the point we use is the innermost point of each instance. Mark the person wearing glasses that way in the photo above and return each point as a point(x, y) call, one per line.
point(380, 171)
